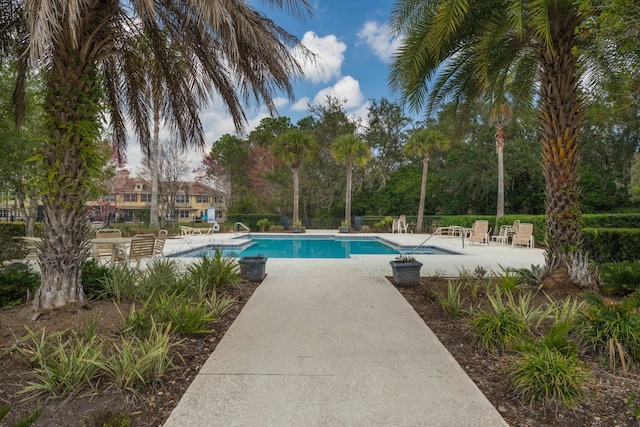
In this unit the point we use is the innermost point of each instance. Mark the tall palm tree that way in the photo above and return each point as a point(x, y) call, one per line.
point(422, 143)
point(470, 49)
point(293, 147)
point(90, 56)
point(350, 151)
point(500, 116)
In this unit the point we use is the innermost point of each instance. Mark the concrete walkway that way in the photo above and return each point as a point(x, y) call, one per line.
point(333, 343)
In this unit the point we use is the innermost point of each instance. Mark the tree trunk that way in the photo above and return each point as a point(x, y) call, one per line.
point(69, 166)
point(500, 151)
point(347, 209)
point(153, 166)
point(560, 121)
point(296, 194)
point(30, 216)
point(423, 193)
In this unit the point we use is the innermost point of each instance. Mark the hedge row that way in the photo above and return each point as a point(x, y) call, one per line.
point(16, 229)
point(611, 244)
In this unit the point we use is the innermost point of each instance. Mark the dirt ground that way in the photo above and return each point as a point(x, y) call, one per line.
point(607, 403)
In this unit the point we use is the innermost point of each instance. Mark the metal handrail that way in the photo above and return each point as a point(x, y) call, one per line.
point(238, 225)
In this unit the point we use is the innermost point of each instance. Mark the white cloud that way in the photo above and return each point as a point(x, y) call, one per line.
point(301, 104)
point(329, 57)
point(379, 39)
point(346, 88)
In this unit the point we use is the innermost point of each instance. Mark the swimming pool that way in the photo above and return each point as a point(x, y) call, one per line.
point(282, 246)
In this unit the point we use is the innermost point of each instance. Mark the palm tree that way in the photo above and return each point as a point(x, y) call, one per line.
point(350, 151)
point(500, 115)
point(90, 57)
point(422, 143)
point(293, 147)
point(471, 49)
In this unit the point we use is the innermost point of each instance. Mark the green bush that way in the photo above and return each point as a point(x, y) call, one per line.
point(13, 229)
point(620, 278)
point(11, 249)
point(217, 271)
point(451, 301)
point(611, 329)
point(16, 280)
point(65, 365)
point(263, 224)
point(499, 326)
point(549, 376)
point(611, 245)
point(94, 276)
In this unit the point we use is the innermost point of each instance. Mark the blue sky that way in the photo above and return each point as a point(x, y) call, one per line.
point(353, 48)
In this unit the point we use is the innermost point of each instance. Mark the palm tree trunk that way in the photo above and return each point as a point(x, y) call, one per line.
point(69, 157)
point(500, 151)
point(423, 193)
point(347, 210)
point(560, 120)
point(153, 165)
point(296, 194)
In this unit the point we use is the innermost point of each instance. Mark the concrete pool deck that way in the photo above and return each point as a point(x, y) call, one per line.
point(331, 342)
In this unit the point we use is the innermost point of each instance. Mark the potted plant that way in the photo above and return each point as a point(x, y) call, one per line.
point(252, 268)
point(344, 226)
point(406, 271)
point(297, 227)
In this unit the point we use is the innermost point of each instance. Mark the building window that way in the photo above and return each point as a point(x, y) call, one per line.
point(182, 198)
point(183, 214)
point(217, 199)
point(132, 198)
point(202, 199)
point(110, 198)
point(3, 213)
point(139, 187)
point(145, 198)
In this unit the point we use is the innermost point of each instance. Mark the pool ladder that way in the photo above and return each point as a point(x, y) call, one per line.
point(238, 225)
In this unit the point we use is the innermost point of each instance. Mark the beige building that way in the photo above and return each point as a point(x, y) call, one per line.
point(129, 200)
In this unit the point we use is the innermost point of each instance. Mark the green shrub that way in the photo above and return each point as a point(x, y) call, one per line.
point(451, 301)
point(161, 275)
point(29, 418)
point(611, 245)
point(4, 410)
point(121, 284)
point(16, 281)
point(136, 362)
point(64, 364)
point(11, 248)
point(276, 229)
point(12, 229)
point(263, 224)
point(108, 419)
point(217, 271)
point(94, 276)
point(620, 278)
point(611, 329)
point(499, 326)
point(549, 376)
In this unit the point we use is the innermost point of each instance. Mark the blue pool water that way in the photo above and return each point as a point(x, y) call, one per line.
point(310, 247)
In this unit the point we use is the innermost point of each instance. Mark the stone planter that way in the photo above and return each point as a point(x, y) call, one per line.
point(344, 229)
point(298, 229)
point(253, 268)
point(406, 273)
